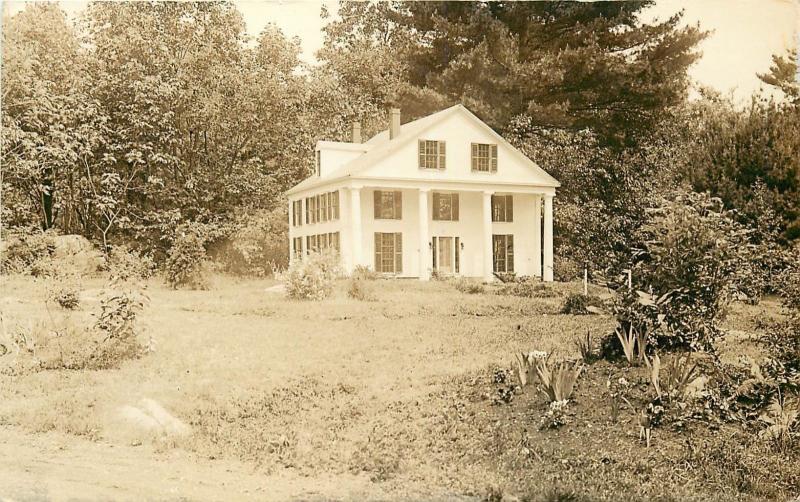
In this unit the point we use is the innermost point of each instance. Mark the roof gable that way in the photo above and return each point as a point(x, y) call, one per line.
point(382, 149)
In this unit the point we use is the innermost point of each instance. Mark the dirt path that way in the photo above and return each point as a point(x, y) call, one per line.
point(60, 467)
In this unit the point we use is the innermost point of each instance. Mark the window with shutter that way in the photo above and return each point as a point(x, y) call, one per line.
point(389, 252)
point(398, 253)
point(503, 251)
point(335, 203)
point(502, 208)
point(445, 206)
point(432, 154)
point(484, 157)
point(388, 205)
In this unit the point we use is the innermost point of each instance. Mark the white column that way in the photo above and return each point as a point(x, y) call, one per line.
point(486, 216)
point(424, 237)
point(303, 233)
point(537, 236)
point(548, 239)
point(291, 231)
point(356, 241)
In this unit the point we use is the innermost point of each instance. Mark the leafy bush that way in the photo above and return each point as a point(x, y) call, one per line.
point(469, 287)
point(566, 269)
point(690, 254)
point(789, 283)
point(23, 248)
point(185, 265)
point(124, 264)
point(580, 304)
point(365, 273)
point(255, 244)
point(312, 278)
point(67, 298)
point(358, 290)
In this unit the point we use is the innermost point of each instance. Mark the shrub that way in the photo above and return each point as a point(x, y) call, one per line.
point(781, 341)
point(690, 256)
point(566, 269)
point(365, 273)
point(469, 287)
point(312, 278)
point(255, 244)
point(185, 265)
point(124, 264)
point(24, 247)
point(580, 304)
point(358, 290)
point(67, 298)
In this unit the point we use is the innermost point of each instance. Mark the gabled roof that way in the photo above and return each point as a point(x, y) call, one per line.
point(381, 147)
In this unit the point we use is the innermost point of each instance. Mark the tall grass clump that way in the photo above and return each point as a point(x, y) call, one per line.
point(312, 278)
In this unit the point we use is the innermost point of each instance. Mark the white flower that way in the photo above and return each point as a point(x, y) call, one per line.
point(536, 354)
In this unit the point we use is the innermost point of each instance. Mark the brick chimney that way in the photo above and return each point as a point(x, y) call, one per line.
point(394, 123)
point(356, 132)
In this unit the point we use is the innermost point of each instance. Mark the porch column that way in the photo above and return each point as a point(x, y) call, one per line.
point(537, 236)
point(486, 214)
point(291, 231)
point(548, 239)
point(356, 241)
point(424, 237)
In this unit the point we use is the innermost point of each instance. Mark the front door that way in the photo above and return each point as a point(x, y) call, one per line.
point(445, 257)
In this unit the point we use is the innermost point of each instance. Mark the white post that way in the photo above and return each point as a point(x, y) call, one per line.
point(547, 272)
point(537, 236)
point(488, 263)
point(585, 280)
point(356, 241)
point(424, 255)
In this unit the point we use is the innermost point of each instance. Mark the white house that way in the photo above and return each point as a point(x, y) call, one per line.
point(444, 193)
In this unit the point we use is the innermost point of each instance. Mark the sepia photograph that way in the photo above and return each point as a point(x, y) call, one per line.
point(336, 250)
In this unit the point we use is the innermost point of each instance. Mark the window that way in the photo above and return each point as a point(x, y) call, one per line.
point(311, 213)
point(298, 246)
point(333, 206)
point(389, 253)
point(503, 250)
point(445, 206)
point(484, 157)
point(317, 162)
point(319, 242)
point(311, 243)
point(323, 207)
point(503, 208)
point(297, 213)
point(388, 205)
point(431, 154)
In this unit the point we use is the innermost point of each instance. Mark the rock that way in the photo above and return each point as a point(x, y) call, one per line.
point(278, 288)
point(75, 253)
point(150, 416)
point(695, 388)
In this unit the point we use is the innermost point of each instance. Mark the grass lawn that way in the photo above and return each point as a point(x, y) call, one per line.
point(385, 399)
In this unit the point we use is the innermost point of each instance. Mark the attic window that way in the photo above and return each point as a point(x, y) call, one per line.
point(431, 154)
point(484, 157)
point(318, 160)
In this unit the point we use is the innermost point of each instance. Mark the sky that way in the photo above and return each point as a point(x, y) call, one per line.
point(744, 33)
